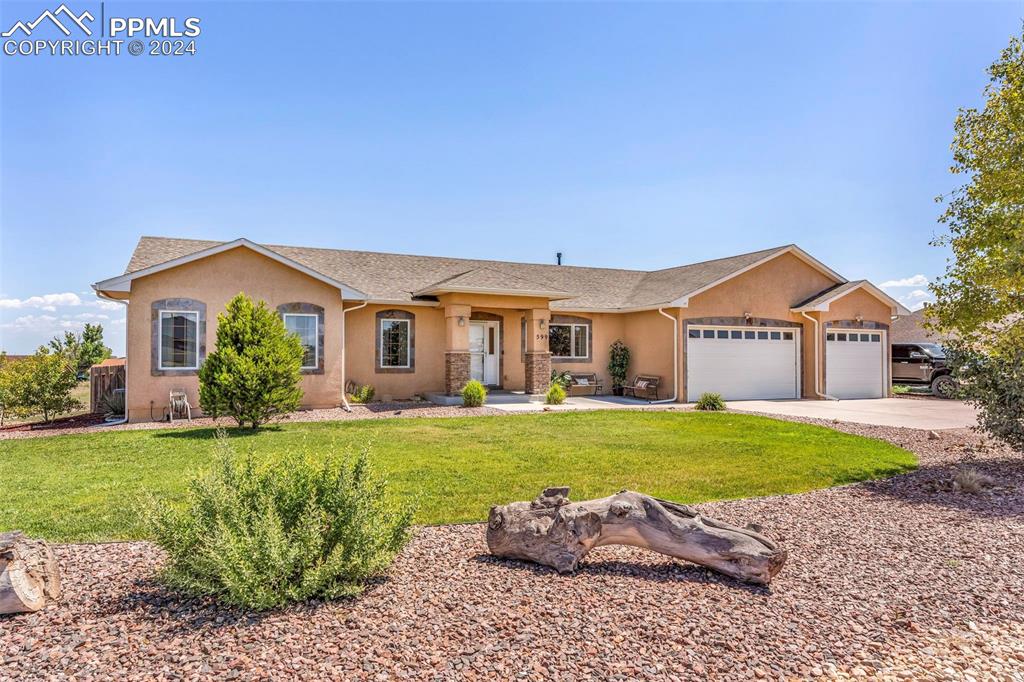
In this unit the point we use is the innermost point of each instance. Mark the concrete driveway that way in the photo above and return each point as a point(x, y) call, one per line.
point(930, 415)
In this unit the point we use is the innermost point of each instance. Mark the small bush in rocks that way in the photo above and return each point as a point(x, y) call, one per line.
point(473, 394)
point(972, 481)
point(710, 402)
point(363, 394)
point(263, 536)
point(556, 395)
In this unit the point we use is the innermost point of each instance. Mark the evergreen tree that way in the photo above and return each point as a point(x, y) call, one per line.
point(253, 374)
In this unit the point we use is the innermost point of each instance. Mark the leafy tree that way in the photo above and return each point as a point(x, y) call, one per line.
point(979, 308)
point(42, 384)
point(92, 348)
point(253, 374)
point(12, 388)
point(86, 348)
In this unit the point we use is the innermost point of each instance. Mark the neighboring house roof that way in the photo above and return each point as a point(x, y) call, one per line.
point(825, 298)
point(910, 329)
point(399, 278)
point(110, 362)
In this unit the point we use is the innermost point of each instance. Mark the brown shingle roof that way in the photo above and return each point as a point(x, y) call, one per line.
point(910, 329)
point(489, 279)
point(396, 277)
point(830, 293)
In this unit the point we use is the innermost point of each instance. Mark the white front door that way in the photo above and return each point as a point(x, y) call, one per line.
point(855, 363)
point(743, 363)
point(484, 351)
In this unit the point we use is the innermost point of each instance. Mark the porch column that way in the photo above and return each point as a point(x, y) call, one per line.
point(456, 356)
point(538, 357)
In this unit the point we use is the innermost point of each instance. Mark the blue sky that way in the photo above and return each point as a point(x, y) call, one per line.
point(625, 135)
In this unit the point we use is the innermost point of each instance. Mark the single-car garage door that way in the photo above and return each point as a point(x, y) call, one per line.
point(855, 364)
point(742, 363)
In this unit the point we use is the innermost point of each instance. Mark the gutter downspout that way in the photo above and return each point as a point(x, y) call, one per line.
point(100, 294)
point(675, 359)
point(817, 373)
point(344, 312)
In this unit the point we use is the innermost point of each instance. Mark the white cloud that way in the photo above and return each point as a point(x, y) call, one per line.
point(42, 324)
point(106, 305)
point(916, 299)
point(913, 281)
point(46, 301)
point(92, 316)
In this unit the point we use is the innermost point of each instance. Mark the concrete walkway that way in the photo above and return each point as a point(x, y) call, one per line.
point(928, 414)
point(518, 402)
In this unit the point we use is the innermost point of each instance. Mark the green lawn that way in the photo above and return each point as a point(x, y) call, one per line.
point(78, 488)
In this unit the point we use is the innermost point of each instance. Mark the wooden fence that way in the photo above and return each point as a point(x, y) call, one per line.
point(103, 378)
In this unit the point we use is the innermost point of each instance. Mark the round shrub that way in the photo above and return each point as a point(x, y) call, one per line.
point(294, 529)
point(556, 395)
point(473, 394)
point(710, 402)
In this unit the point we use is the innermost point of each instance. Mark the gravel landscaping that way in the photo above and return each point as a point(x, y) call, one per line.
point(899, 579)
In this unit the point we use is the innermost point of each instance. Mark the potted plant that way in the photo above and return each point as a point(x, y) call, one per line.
point(618, 366)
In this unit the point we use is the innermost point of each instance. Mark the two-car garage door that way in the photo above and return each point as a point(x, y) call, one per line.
point(742, 363)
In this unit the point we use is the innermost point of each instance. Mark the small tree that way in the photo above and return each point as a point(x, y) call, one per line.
point(85, 349)
point(42, 384)
point(253, 374)
point(12, 388)
point(92, 349)
point(618, 364)
point(979, 307)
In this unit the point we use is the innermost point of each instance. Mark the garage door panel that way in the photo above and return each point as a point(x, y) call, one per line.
point(742, 368)
point(855, 364)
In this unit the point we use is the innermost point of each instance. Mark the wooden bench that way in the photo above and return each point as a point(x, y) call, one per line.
point(584, 383)
point(643, 386)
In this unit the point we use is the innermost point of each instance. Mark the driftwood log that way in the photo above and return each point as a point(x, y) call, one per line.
point(555, 532)
point(28, 574)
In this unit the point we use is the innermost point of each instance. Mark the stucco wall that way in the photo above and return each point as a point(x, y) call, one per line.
point(360, 359)
point(767, 292)
point(214, 281)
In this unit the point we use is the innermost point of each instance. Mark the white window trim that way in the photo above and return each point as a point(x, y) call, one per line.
point(408, 349)
point(316, 336)
point(572, 340)
point(160, 340)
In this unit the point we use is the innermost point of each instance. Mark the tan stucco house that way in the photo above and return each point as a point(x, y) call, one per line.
point(775, 323)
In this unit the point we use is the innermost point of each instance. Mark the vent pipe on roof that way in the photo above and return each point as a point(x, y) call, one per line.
point(558, 256)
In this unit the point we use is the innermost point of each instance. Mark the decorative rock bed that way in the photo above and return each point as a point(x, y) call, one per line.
point(907, 578)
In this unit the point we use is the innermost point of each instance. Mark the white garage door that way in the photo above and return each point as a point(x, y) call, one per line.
point(742, 363)
point(855, 364)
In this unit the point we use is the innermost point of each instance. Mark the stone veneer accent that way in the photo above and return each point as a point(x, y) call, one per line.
point(456, 371)
point(538, 371)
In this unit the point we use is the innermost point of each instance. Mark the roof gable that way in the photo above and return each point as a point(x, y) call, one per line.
point(822, 300)
point(123, 282)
